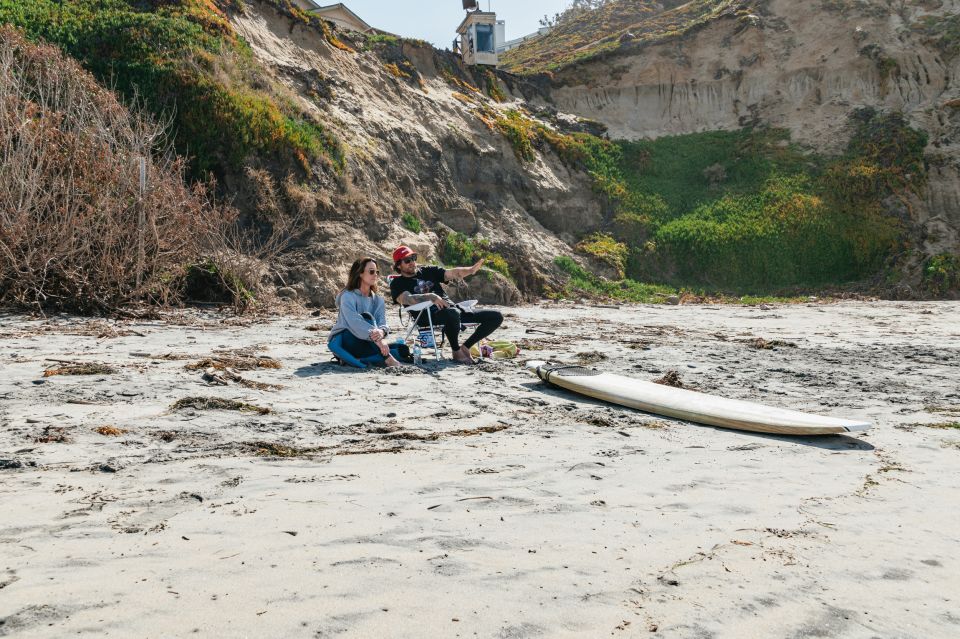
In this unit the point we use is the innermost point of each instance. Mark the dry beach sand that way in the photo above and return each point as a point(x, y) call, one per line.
point(457, 501)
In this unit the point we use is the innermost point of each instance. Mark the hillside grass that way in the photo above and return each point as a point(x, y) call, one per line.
point(183, 61)
point(778, 218)
point(743, 211)
point(596, 32)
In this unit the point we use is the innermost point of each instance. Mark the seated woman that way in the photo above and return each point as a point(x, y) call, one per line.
point(358, 336)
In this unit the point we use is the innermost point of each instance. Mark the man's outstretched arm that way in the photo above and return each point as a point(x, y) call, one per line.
point(461, 272)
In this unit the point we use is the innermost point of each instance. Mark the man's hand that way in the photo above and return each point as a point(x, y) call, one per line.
point(461, 272)
point(439, 301)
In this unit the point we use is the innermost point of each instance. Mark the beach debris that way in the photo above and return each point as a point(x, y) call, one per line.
point(292, 533)
point(166, 435)
point(53, 435)
point(15, 464)
point(432, 437)
point(240, 362)
point(942, 425)
point(384, 430)
point(671, 378)
point(590, 357)
point(214, 378)
point(370, 451)
point(765, 345)
point(269, 449)
point(532, 344)
point(74, 368)
point(107, 468)
point(530, 331)
point(216, 403)
point(673, 300)
point(169, 357)
point(110, 431)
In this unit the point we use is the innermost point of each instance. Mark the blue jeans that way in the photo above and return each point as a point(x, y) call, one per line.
point(356, 352)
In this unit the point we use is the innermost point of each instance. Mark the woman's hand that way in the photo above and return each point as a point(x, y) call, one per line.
point(384, 349)
point(376, 335)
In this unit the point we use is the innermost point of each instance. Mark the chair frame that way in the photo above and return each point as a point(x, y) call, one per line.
point(417, 310)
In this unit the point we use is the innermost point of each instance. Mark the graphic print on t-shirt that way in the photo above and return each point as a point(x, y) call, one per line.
point(423, 286)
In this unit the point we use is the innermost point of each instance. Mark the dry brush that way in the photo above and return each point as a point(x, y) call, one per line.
point(78, 230)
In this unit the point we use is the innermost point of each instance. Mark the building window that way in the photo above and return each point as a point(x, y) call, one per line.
point(485, 43)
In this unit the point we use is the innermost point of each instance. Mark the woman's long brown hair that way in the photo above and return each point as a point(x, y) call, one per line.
point(356, 270)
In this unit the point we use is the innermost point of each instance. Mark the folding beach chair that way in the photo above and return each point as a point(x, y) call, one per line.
point(427, 335)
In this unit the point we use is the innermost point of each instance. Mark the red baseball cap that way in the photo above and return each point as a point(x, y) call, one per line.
point(402, 252)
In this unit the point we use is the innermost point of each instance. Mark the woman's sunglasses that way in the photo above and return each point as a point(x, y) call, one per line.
point(373, 272)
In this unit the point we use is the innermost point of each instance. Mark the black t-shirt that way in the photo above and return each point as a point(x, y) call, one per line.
point(427, 279)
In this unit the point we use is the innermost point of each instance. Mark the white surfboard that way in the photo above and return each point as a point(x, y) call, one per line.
point(692, 406)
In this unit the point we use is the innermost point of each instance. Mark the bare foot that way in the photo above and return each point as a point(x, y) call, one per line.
point(463, 355)
point(391, 362)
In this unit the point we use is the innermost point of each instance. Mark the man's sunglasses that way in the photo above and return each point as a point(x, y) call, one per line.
point(407, 260)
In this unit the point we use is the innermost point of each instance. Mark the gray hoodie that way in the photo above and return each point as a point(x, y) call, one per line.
point(352, 304)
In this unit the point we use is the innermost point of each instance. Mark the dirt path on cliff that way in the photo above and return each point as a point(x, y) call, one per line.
point(458, 501)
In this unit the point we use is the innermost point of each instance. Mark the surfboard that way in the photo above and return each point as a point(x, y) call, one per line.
point(690, 405)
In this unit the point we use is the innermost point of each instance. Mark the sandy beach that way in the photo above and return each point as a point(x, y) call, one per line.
point(449, 501)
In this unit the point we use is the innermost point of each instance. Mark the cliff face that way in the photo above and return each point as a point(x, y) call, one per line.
point(415, 147)
point(803, 66)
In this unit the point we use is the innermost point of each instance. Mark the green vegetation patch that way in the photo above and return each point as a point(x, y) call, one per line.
point(412, 223)
point(941, 274)
point(603, 247)
point(748, 210)
point(182, 59)
point(742, 210)
point(460, 250)
point(582, 283)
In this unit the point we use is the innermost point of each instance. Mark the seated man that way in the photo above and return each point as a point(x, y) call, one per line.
point(424, 284)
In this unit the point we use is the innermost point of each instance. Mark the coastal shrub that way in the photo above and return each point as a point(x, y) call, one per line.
point(493, 86)
point(382, 38)
point(582, 283)
point(412, 223)
point(783, 234)
point(606, 249)
point(460, 250)
point(941, 274)
point(780, 217)
point(183, 61)
point(520, 131)
point(76, 231)
point(396, 71)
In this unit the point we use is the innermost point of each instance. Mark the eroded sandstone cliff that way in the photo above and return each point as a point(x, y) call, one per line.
point(407, 116)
